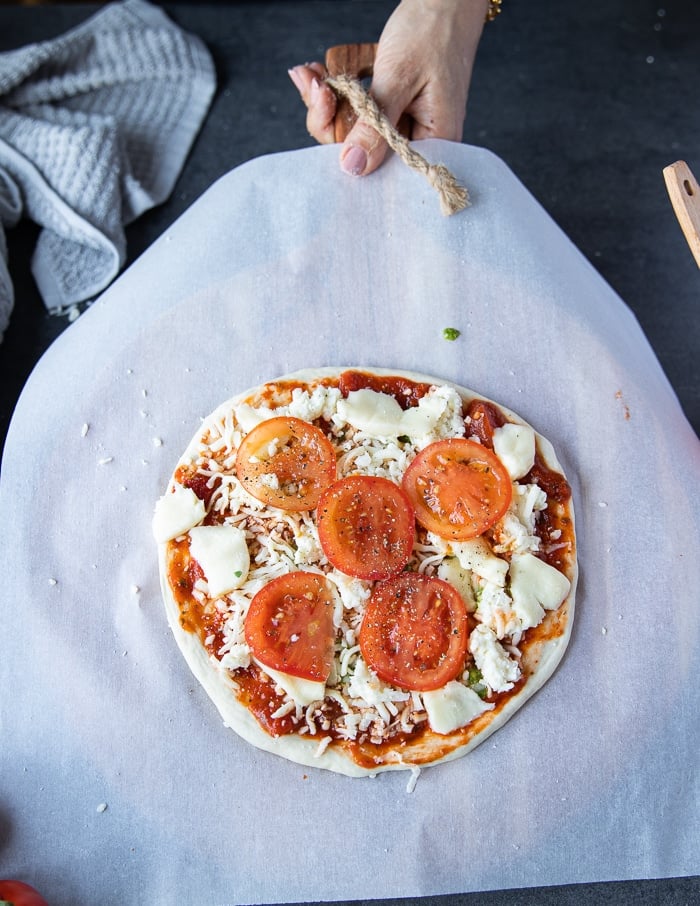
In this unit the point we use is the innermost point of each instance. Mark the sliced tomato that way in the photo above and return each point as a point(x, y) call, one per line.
point(414, 633)
point(458, 488)
point(366, 526)
point(289, 625)
point(286, 462)
point(17, 893)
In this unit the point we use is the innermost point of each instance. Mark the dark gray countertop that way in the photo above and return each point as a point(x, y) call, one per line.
point(586, 102)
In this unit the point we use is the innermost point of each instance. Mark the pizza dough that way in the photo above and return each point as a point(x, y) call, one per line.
point(220, 545)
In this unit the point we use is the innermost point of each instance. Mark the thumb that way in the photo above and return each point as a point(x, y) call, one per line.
point(363, 150)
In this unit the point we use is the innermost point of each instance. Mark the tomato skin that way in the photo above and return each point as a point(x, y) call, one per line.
point(299, 468)
point(458, 487)
point(415, 632)
point(366, 526)
point(289, 625)
point(17, 893)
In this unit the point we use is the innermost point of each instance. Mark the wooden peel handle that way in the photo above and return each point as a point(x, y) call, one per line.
point(357, 61)
point(684, 193)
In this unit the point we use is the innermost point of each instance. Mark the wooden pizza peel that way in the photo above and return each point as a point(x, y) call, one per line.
point(356, 61)
point(684, 192)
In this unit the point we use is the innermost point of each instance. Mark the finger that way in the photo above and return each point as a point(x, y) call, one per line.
point(320, 119)
point(363, 150)
point(319, 69)
point(319, 99)
point(303, 76)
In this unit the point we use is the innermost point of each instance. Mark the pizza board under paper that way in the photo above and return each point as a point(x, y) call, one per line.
point(284, 264)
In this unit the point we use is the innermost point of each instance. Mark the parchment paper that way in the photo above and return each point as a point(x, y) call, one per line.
point(286, 263)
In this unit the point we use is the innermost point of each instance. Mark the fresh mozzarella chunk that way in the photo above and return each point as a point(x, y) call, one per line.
point(535, 584)
point(367, 686)
point(451, 421)
point(249, 416)
point(515, 447)
point(529, 499)
point(452, 571)
point(222, 552)
point(477, 556)
point(377, 414)
point(453, 706)
point(437, 414)
point(420, 420)
point(499, 671)
point(441, 545)
point(176, 513)
point(303, 691)
point(529, 611)
point(495, 610)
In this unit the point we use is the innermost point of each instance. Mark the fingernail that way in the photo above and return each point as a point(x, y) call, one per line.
point(314, 90)
point(294, 76)
point(354, 161)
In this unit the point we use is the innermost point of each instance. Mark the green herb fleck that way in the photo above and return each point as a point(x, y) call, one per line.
point(238, 573)
point(476, 683)
point(450, 333)
point(404, 439)
point(475, 676)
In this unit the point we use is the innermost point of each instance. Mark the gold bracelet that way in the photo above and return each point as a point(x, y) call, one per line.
point(493, 10)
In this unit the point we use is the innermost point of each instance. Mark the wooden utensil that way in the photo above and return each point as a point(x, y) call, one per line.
point(684, 193)
point(356, 60)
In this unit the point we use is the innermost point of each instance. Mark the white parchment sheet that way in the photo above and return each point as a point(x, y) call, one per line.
point(286, 263)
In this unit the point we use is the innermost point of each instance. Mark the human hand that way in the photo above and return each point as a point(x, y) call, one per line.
point(422, 67)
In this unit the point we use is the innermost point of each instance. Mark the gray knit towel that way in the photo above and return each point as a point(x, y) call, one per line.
point(95, 127)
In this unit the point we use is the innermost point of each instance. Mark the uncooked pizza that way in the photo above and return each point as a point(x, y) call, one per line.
point(367, 570)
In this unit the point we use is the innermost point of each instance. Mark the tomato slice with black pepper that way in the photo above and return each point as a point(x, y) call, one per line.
point(289, 625)
point(414, 633)
point(458, 488)
point(286, 462)
point(366, 526)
